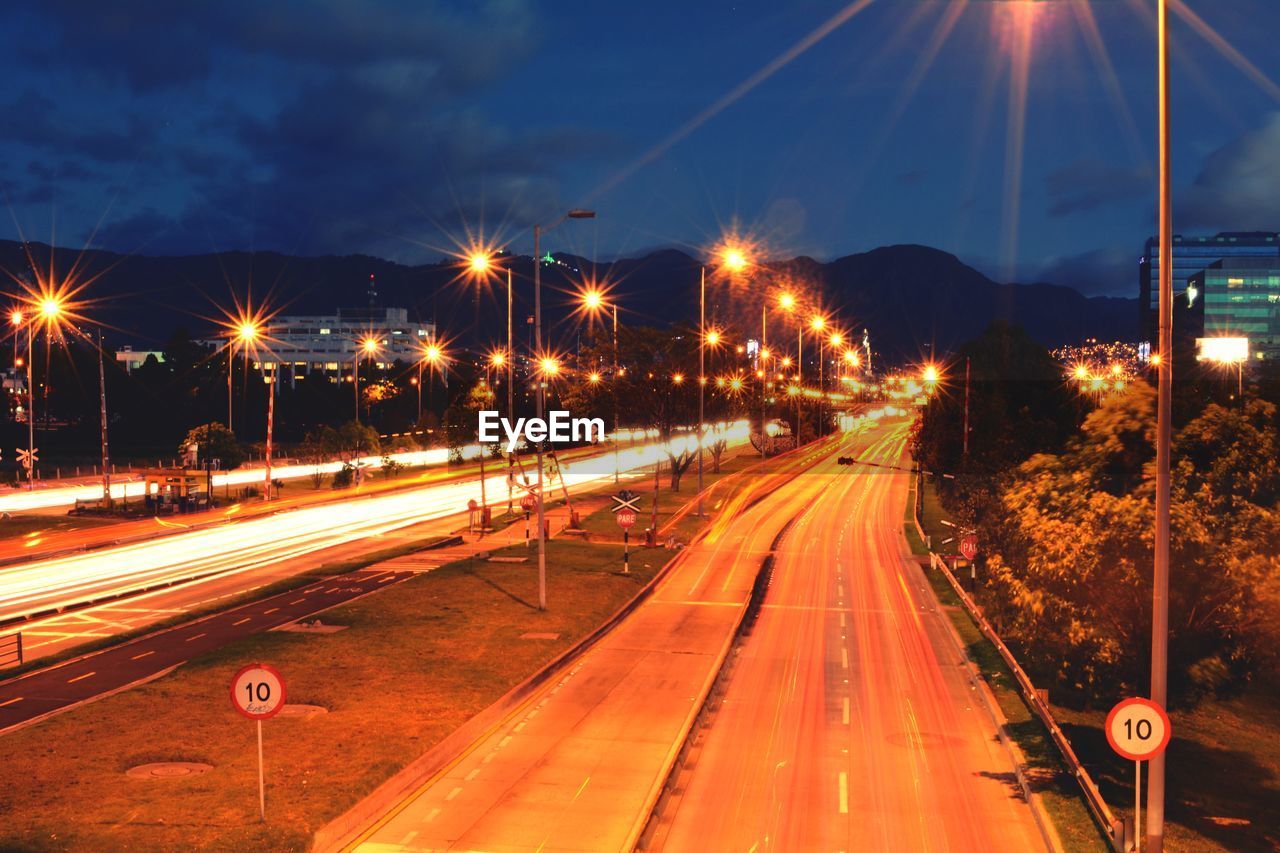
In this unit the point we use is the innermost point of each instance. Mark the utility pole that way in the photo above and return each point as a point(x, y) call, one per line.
point(102, 399)
point(965, 452)
point(616, 462)
point(1164, 414)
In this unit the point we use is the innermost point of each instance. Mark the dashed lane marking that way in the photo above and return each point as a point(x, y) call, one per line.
point(143, 655)
point(80, 677)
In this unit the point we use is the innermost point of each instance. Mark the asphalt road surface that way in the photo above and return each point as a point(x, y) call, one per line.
point(848, 721)
point(45, 586)
point(48, 691)
point(580, 764)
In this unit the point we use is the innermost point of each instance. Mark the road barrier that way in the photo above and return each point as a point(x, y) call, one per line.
point(1112, 828)
point(11, 649)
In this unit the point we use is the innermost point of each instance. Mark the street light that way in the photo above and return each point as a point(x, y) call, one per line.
point(368, 346)
point(17, 319)
point(575, 213)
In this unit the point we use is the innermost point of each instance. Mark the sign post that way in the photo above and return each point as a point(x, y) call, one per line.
point(527, 503)
point(1138, 729)
point(257, 692)
point(625, 512)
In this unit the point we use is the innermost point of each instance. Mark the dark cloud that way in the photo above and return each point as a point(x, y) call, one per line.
point(303, 124)
point(157, 44)
point(1085, 185)
point(1239, 187)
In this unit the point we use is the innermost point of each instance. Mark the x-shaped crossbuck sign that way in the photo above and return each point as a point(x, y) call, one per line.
point(27, 457)
point(626, 500)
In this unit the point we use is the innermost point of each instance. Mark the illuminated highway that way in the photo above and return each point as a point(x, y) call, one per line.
point(849, 722)
point(55, 496)
point(242, 547)
point(579, 765)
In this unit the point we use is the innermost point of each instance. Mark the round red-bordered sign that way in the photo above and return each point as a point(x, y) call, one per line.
point(528, 502)
point(1138, 729)
point(625, 518)
point(257, 691)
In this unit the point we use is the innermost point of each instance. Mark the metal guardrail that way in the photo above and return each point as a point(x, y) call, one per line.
point(11, 649)
point(1111, 826)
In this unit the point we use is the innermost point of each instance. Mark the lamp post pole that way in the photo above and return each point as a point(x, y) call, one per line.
point(702, 374)
point(511, 385)
point(1164, 386)
point(541, 390)
point(537, 354)
point(31, 414)
point(616, 463)
point(355, 382)
point(763, 371)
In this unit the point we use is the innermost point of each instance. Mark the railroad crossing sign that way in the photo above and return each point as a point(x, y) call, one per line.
point(624, 501)
point(529, 502)
point(28, 458)
point(969, 546)
point(626, 518)
point(1138, 729)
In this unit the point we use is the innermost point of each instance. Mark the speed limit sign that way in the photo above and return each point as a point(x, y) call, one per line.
point(257, 691)
point(1138, 729)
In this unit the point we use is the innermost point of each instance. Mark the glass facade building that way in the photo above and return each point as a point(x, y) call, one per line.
point(1191, 256)
point(1241, 299)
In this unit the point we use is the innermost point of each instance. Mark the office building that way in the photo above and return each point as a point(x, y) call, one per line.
point(1239, 300)
point(329, 344)
point(1191, 256)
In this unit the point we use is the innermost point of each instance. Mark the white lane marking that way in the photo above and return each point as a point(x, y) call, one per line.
point(844, 657)
point(431, 815)
point(455, 792)
point(844, 711)
point(844, 792)
point(473, 774)
point(409, 836)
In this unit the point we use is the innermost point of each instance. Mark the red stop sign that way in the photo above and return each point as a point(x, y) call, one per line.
point(626, 518)
point(969, 547)
point(528, 503)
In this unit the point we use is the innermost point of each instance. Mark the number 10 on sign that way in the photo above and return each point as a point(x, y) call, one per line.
point(1138, 729)
point(257, 692)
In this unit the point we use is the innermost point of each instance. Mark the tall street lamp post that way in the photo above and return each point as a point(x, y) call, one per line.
point(1164, 386)
point(541, 389)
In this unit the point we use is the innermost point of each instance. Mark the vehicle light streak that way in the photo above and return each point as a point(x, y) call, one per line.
point(63, 582)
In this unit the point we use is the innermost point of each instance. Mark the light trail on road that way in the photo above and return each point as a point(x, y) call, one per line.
point(22, 500)
point(849, 721)
point(243, 546)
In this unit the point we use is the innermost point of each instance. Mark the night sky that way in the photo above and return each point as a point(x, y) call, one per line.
point(329, 126)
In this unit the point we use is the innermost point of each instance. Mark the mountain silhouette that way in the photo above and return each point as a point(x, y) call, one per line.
point(914, 300)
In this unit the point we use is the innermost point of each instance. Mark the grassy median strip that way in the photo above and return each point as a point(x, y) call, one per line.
point(412, 665)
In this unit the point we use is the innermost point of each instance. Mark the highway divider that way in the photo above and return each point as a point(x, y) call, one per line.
point(1112, 828)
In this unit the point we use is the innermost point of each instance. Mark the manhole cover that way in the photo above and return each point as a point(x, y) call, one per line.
point(302, 710)
point(168, 770)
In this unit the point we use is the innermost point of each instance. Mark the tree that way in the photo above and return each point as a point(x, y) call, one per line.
point(215, 441)
point(657, 386)
point(1070, 562)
